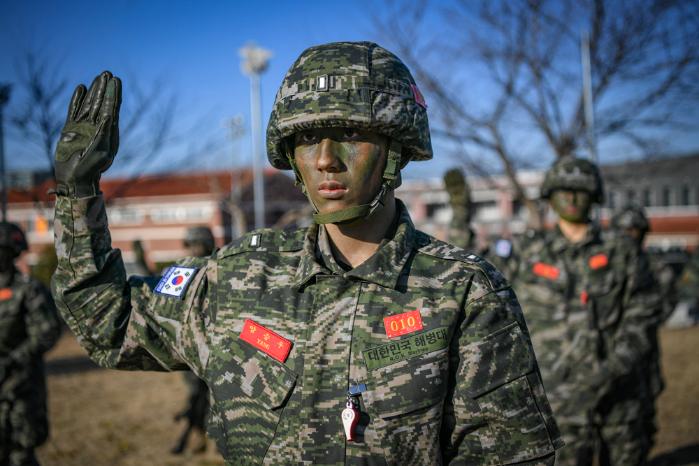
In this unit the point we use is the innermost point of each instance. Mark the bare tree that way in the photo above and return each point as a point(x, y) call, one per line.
point(504, 77)
point(147, 126)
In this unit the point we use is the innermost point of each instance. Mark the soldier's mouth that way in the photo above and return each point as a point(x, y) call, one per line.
point(331, 189)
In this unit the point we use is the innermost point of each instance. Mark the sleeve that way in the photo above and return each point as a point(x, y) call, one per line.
point(640, 314)
point(41, 323)
point(124, 324)
point(496, 411)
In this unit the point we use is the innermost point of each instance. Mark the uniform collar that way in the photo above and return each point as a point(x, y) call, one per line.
point(560, 243)
point(383, 268)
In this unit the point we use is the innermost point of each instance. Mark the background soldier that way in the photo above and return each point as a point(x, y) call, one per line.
point(460, 232)
point(28, 328)
point(586, 298)
point(199, 242)
point(631, 223)
point(358, 340)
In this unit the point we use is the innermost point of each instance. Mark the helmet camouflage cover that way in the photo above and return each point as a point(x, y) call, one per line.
point(630, 216)
point(201, 235)
point(573, 173)
point(12, 236)
point(350, 84)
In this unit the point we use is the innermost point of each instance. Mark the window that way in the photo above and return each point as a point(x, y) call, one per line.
point(665, 195)
point(646, 197)
point(611, 199)
point(124, 215)
point(684, 195)
point(630, 195)
point(182, 214)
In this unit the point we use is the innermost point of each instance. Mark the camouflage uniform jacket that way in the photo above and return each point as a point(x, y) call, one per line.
point(464, 389)
point(589, 307)
point(28, 328)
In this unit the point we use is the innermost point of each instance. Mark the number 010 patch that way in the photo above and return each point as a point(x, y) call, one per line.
point(402, 324)
point(175, 280)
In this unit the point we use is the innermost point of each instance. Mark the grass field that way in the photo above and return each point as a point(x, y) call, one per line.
point(116, 418)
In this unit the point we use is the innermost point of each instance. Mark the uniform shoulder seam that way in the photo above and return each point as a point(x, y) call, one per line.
point(267, 240)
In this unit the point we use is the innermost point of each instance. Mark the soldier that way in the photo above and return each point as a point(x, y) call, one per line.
point(199, 242)
point(28, 328)
point(460, 232)
point(631, 222)
point(585, 299)
point(357, 340)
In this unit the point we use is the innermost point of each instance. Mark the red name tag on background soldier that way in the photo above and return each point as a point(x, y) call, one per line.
point(598, 261)
point(546, 270)
point(5, 294)
point(265, 340)
point(402, 324)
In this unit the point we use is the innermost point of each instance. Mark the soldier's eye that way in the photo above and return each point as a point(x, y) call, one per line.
point(351, 133)
point(306, 138)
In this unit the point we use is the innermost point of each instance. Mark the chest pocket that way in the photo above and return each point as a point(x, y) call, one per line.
point(405, 405)
point(605, 289)
point(250, 390)
point(540, 285)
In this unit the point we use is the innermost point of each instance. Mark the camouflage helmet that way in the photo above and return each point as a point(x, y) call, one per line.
point(12, 236)
point(630, 216)
point(573, 173)
point(200, 235)
point(349, 84)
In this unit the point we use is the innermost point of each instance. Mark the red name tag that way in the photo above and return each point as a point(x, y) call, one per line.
point(598, 261)
point(5, 294)
point(265, 340)
point(401, 324)
point(546, 270)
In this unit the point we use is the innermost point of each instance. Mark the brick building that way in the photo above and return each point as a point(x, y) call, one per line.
point(158, 209)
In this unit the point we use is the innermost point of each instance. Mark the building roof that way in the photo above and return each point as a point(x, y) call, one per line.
point(157, 185)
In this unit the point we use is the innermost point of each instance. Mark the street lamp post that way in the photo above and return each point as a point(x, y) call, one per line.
point(4, 98)
point(255, 61)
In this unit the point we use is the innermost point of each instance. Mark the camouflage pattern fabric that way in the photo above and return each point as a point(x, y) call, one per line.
point(589, 307)
point(464, 389)
point(688, 284)
point(349, 84)
point(28, 328)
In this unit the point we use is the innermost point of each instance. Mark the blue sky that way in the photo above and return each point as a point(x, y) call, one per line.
point(191, 49)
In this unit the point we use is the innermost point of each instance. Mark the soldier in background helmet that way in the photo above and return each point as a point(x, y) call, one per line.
point(357, 340)
point(199, 242)
point(588, 300)
point(631, 222)
point(460, 232)
point(28, 328)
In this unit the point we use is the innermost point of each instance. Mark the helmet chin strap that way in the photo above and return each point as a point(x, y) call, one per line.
point(390, 180)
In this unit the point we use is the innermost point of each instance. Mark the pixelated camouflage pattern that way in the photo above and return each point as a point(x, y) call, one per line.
point(630, 216)
point(574, 173)
point(476, 400)
point(589, 324)
point(28, 328)
point(349, 84)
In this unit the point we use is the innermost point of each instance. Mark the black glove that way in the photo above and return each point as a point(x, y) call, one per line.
point(90, 138)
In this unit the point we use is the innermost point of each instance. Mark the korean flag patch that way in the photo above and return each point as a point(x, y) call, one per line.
point(175, 280)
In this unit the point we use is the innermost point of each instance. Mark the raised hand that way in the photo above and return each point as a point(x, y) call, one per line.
point(90, 138)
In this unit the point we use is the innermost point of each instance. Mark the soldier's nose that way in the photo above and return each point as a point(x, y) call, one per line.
point(327, 159)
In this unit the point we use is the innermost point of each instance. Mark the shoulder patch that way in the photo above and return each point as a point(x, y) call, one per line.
point(265, 240)
point(175, 280)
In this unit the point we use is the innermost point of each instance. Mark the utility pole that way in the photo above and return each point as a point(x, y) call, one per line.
point(587, 96)
point(4, 98)
point(255, 62)
point(236, 126)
